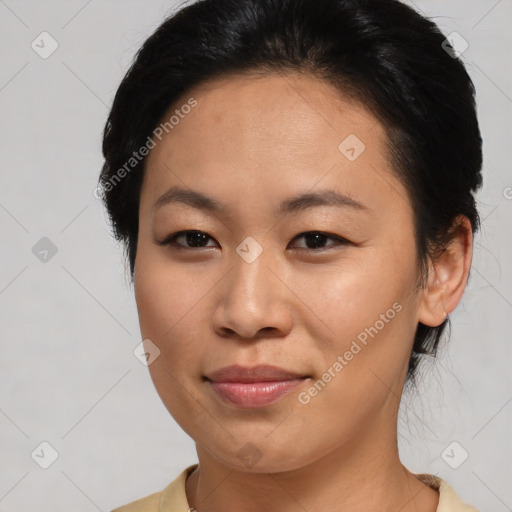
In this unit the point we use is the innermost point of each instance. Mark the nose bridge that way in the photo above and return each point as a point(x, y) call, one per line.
point(252, 296)
point(250, 275)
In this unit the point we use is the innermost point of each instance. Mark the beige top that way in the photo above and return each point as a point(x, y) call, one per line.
point(174, 499)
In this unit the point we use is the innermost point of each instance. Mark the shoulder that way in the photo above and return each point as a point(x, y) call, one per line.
point(172, 499)
point(449, 501)
point(150, 503)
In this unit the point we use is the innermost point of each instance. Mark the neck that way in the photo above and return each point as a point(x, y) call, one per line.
point(358, 476)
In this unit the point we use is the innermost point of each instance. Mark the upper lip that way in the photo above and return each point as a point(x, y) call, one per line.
point(260, 373)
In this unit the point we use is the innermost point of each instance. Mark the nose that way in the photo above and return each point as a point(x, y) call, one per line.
point(253, 301)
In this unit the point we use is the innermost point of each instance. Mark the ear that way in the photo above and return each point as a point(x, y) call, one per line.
point(448, 275)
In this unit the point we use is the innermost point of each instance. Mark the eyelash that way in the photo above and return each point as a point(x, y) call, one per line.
point(170, 241)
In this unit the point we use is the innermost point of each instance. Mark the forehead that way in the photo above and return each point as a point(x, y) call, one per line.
point(286, 107)
point(248, 134)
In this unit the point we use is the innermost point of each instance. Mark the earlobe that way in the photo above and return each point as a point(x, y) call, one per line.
point(448, 275)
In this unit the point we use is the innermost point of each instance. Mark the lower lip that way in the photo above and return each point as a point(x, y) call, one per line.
point(254, 394)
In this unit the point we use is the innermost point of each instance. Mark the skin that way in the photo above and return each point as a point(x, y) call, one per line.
point(251, 143)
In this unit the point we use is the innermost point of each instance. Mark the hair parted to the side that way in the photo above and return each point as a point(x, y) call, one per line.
point(380, 52)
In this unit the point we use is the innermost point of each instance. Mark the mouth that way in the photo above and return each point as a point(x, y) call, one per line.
point(251, 387)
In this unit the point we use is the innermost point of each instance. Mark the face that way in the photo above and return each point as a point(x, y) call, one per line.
point(301, 256)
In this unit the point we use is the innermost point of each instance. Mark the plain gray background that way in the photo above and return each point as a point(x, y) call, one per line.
point(69, 324)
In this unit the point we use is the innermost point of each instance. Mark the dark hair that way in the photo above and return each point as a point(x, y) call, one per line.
point(380, 52)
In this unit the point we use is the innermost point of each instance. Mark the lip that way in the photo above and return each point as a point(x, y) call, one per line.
point(255, 386)
point(248, 374)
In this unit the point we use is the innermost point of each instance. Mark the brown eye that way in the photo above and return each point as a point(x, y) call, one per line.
point(190, 239)
point(194, 239)
point(315, 240)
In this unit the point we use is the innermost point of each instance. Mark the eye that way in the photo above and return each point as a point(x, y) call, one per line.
point(195, 239)
point(317, 240)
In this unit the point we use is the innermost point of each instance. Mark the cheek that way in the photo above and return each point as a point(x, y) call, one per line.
point(164, 293)
point(166, 304)
point(164, 300)
point(370, 311)
point(173, 303)
point(362, 373)
point(354, 295)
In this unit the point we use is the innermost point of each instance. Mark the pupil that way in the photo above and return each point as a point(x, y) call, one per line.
point(318, 239)
point(194, 239)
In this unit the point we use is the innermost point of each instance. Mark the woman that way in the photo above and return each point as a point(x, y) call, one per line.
point(293, 181)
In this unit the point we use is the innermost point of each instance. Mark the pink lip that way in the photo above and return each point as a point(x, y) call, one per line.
point(253, 387)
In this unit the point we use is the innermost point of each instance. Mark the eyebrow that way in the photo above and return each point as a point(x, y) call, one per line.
point(300, 202)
